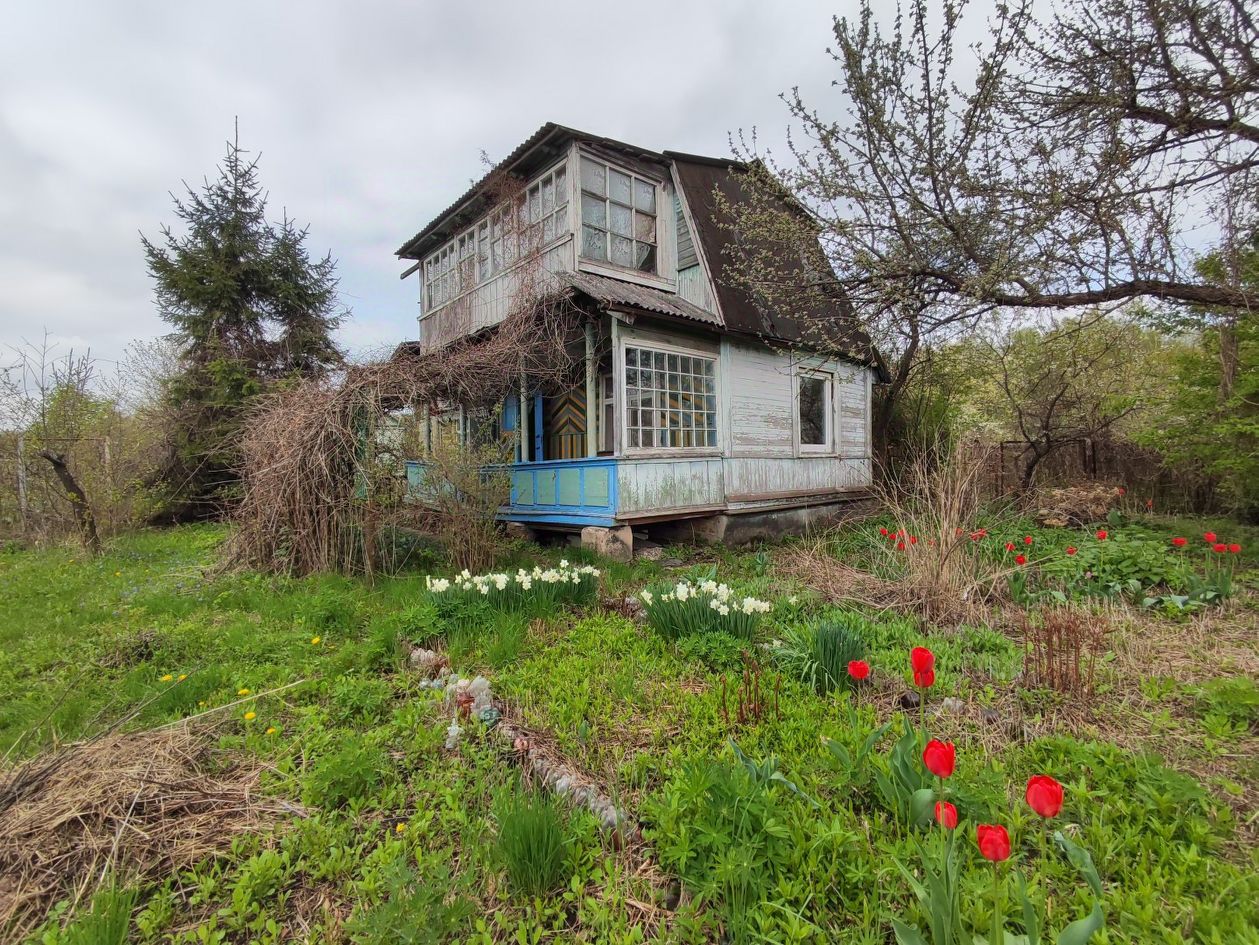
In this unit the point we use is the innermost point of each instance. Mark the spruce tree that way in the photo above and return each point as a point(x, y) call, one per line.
point(250, 309)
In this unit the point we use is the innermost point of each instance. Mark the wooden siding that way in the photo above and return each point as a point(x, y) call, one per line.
point(658, 486)
point(693, 286)
point(752, 481)
point(687, 256)
point(759, 381)
point(854, 411)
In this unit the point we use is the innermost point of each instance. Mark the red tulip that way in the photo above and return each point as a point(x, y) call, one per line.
point(1235, 549)
point(1208, 537)
point(900, 546)
point(946, 815)
point(900, 533)
point(925, 679)
point(1044, 795)
point(883, 532)
point(1102, 534)
point(940, 758)
point(1009, 546)
point(913, 539)
point(858, 669)
point(1219, 549)
point(1121, 491)
point(1027, 539)
point(1071, 550)
point(1020, 559)
point(921, 658)
point(994, 842)
point(1180, 542)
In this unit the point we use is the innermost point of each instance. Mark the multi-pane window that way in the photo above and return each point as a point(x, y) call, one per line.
point(530, 221)
point(670, 400)
point(618, 216)
point(813, 404)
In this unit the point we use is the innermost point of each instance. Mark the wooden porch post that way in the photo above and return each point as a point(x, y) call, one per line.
point(592, 405)
point(539, 451)
point(522, 441)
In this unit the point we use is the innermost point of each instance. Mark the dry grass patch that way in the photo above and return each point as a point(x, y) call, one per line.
point(135, 805)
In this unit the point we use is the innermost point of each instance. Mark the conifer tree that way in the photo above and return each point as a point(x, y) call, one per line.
point(250, 309)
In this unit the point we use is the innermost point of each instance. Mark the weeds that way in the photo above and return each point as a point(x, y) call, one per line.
point(533, 842)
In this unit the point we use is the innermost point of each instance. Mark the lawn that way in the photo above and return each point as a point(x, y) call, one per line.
point(325, 797)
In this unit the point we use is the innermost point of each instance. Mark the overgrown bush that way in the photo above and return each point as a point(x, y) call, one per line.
point(349, 771)
point(533, 841)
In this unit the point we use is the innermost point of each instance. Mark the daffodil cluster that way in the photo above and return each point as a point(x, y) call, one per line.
point(566, 583)
point(688, 608)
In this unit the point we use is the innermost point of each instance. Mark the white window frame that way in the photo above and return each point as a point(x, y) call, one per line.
point(623, 389)
point(656, 272)
point(830, 443)
point(483, 251)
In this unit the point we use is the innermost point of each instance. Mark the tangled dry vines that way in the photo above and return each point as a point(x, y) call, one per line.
point(320, 482)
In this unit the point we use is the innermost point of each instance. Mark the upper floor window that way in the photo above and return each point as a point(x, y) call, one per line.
point(670, 400)
point(618, 216)
point(533, 219)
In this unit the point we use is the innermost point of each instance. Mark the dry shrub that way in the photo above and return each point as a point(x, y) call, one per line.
point(459, 498)
point(1061, 646)
point(941, 570)
point(137, 805)
point(321, 480)
point(1073, 506)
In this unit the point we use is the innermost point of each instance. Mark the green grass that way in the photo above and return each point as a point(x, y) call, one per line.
point(406, 841)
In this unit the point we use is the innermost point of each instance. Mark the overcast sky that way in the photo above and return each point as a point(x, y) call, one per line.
point(369, 117)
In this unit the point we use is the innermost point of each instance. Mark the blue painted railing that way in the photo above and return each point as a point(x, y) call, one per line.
point(554, 492)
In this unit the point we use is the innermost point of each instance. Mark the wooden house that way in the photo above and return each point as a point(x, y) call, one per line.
point(700, 411)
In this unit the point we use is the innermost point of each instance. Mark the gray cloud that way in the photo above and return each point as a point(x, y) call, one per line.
point(370, 118)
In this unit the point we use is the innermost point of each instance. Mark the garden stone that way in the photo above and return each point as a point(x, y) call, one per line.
point(910, 700)
point(950, 705)
point(671, 563)
point(990, 717)
point(648, 551)
point(425, 662)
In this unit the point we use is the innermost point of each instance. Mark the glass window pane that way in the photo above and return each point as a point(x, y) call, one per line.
point(812, 411)
point(594, 212)
point(712, 437)
point(548, 195)
point(594, 244)
point(631, 356)
point(548, 229)
point(644, 227)
point(659, 358)
point(619, 220)
point(561, 188)
point(645, 196)
point(622, 251)
point(593, 177)
point(644, 257)
point(633, 437)
point(673, 362)
point(619, 187)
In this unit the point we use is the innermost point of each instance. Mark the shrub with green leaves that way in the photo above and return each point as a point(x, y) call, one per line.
point(352, 770)
point(685, 609)
point(716, 649)
point(533, 842)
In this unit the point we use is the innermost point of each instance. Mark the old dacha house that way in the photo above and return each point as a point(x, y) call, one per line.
point(701, 411)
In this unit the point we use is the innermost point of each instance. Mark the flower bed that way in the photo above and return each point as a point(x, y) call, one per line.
point(687, 609)
point(539, 589)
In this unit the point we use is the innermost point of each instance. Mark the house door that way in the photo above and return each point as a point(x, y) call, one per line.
point(566, 425)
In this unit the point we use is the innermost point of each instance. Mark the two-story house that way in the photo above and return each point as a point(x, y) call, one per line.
point(700, 411)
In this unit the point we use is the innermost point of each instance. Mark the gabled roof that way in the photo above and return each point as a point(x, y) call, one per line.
point(701, 179)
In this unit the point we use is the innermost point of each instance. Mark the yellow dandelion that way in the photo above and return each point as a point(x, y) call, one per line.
point(117, 574)
point(183, 676)
point(242, 692)
point(314, 641)
point(272, 730)
point(250, 716)
point(401, 828)
point(167, 678)
point(201, 703)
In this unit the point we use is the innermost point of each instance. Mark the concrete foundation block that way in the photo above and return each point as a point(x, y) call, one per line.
point(616, 543)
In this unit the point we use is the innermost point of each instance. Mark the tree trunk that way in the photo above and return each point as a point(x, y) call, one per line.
point(1027, 474)
point(78, 500)
point(1228, 359)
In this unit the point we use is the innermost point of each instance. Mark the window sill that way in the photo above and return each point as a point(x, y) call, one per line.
point(681, 452)
point(625, 274)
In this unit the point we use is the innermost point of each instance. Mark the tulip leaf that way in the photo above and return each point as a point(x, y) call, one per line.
point(1031, 919)
point(1081, 930)
point(1082, 860)
point(921, 803)
point(907, 934)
